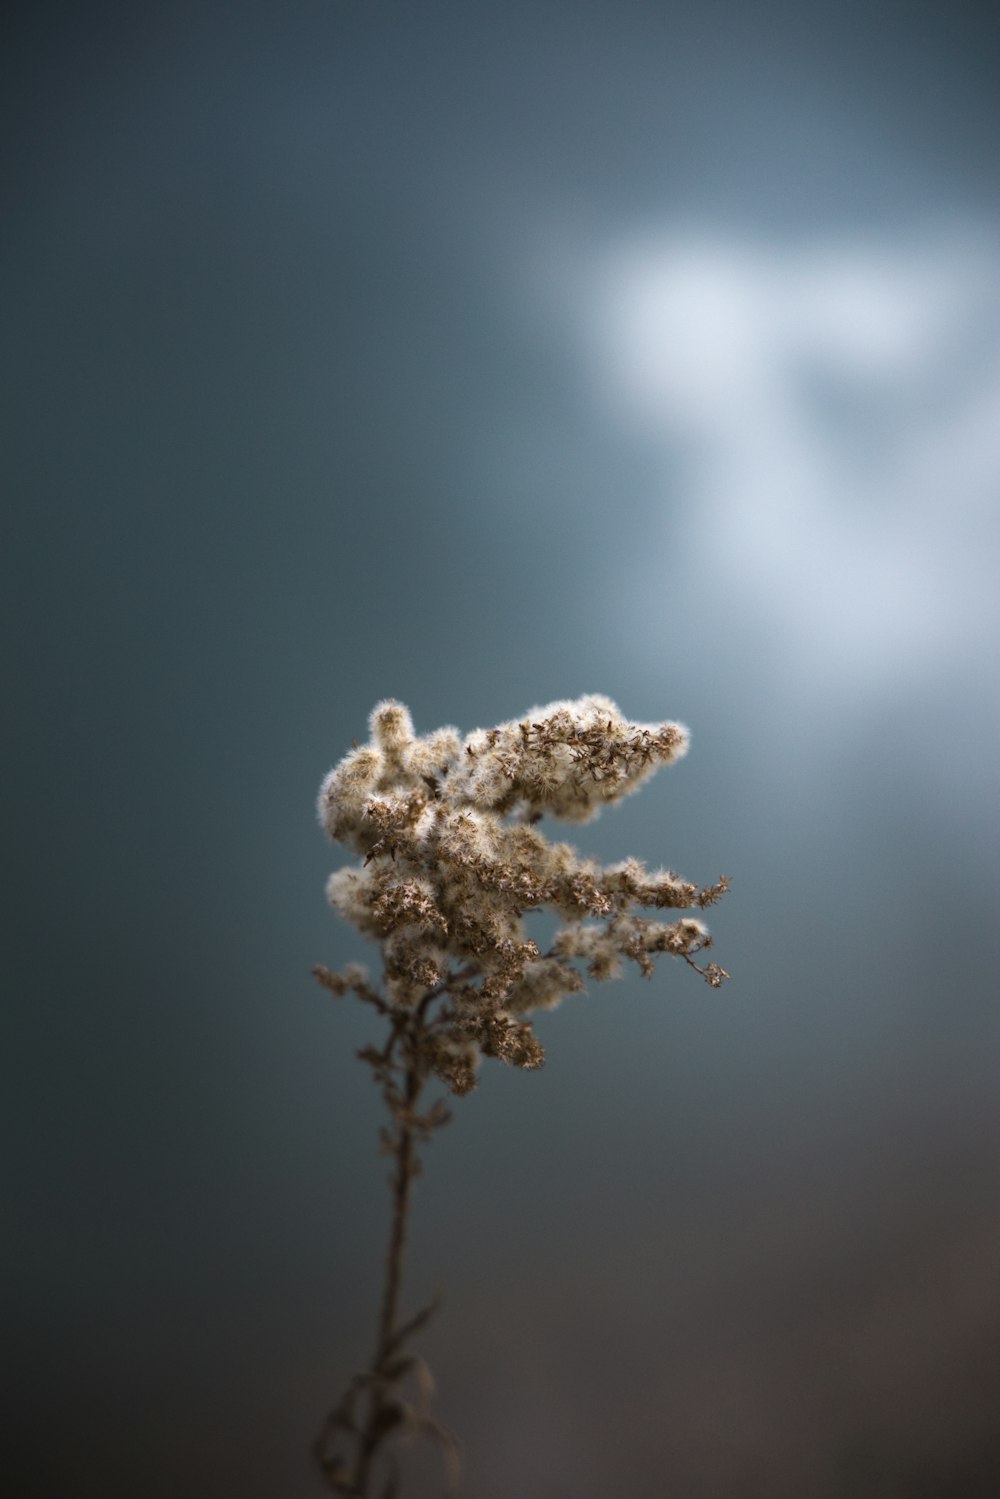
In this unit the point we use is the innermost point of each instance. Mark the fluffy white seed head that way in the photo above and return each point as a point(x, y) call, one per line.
point(390, 724)
point(452, 860)
point(346, 789)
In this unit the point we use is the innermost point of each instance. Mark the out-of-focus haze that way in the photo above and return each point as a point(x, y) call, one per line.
point(482, 355)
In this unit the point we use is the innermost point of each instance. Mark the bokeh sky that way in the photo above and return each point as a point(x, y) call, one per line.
point(482, 355)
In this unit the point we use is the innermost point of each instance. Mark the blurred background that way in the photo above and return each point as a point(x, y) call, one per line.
point(481, 355)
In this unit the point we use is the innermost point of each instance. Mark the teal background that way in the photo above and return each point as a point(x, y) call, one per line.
point(316, 392)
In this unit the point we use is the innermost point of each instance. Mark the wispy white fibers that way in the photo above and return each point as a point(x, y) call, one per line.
point(837, 403)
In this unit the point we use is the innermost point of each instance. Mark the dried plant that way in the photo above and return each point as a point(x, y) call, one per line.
point(450, 861)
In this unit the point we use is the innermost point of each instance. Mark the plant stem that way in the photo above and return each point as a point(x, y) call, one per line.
point(406, 1162)
point(402, 1188)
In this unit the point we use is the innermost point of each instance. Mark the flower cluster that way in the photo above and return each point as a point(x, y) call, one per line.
point(451, 859)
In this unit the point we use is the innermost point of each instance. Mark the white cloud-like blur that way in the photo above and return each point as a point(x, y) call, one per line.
point(835, 405)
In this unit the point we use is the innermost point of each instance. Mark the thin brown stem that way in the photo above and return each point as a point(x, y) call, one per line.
point(406, 1160)
point(402, 1192)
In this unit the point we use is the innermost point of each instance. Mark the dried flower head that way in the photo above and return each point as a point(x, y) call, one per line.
point(451, 859)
